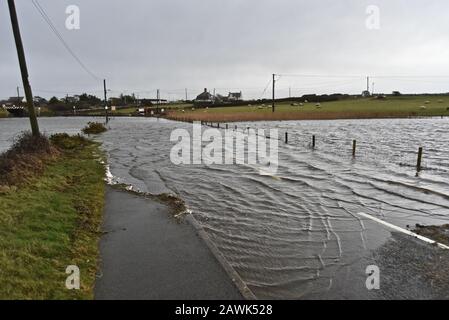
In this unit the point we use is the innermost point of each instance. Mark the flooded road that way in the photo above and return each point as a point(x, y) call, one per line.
point(298, 233)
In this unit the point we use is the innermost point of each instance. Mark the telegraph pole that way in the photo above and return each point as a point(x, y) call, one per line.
point(157, 103)
point(23, 68)
point(274, 87)
point(105, 101)
point(367, 84)
point(18, 96)
point(186, 95)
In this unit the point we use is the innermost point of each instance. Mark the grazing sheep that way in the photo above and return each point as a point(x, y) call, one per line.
point(440, 101)
point(427, 102)
point(318, 105)
point(423, 107)
point(301, 104)
point(182, 110)
point(260, 107)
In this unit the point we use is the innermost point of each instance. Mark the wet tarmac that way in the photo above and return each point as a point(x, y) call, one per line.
point(147, 254)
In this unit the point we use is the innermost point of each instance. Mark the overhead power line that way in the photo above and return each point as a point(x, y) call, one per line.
point(364, 76)
point(47, 19)
point(266, 88)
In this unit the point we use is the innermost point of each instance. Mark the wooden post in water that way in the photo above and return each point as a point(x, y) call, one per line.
point(105, 101)
point(226, 126)
point(286, 137)
point(354, 146)
point(313, 141)
point(418, 165)
point(218, 125)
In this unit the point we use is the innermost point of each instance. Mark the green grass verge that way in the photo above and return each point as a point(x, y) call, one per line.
point(51, 222)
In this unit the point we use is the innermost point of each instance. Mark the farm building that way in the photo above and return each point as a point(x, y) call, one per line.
point(204, 98)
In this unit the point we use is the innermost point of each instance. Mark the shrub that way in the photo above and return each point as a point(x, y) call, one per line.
point(25, 158)
point(66, 142)
point(3, 113)
point(94, 128)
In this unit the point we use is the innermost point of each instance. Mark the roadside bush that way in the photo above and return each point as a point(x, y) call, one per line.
point(68, 142)
point(94, 128)
point(25, 158)
point(3, 113)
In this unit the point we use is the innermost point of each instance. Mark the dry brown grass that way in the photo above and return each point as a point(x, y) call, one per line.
point(278, 116)
point(26, 158)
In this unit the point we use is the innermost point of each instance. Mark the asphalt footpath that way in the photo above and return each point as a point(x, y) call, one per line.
point(147, 254)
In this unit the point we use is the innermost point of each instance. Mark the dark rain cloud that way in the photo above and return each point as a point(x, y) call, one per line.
point(141, 45)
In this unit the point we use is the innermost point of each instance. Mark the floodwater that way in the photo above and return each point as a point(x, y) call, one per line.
point(297, 233)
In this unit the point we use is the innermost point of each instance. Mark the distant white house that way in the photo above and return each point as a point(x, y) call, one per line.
point(72, 99)
point(235, 96)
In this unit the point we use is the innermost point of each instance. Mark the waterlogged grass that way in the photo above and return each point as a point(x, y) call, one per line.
point(94, 128)
point(395, 107)
point(437, 233)
point(53, 221)
point(3, 113)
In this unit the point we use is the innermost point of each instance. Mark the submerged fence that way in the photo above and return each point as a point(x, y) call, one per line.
point(217, 125)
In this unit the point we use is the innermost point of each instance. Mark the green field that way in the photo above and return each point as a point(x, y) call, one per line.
point(402, 106)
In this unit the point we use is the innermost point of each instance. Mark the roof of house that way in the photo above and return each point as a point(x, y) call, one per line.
point(204, 96)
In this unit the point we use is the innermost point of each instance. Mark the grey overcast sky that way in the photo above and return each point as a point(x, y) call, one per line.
point(231, 45)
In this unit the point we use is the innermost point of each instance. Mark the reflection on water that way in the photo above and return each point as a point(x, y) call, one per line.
point(296, 235)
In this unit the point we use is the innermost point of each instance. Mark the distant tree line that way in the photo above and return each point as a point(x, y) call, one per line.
point(83, 101)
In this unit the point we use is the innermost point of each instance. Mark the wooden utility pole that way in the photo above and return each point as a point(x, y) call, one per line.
point(18, 96)
point(105, 101)
point(158, 93)
point(23, 68)
point(274, 87)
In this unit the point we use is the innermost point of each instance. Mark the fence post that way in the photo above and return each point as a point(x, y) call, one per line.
point(418, 165)
point(354, 146)
point(286, 137)
point(313, 141)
